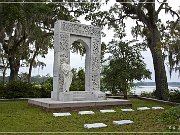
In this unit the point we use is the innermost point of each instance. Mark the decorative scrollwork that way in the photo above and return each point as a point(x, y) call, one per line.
point(95, 46)
point(61, 82)
point(66, 29)
point(80, 29)
point(64, 42)
point(95, 82)
point(95, 64)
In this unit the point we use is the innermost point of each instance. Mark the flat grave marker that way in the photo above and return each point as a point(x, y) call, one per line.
point(157, 108)
point(127, 110)
point(95, 125)
point(61, 114)
point(143, 108)
point(122, 122)
point(86, 112)
point(107, 111)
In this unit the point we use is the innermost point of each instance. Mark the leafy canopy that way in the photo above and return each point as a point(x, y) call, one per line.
point(124, 66)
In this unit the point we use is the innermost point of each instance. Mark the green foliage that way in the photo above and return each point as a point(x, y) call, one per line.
point(124, 66)
point(29, 28)
point(171, 116)
point(147, 28)
point(174, 96)
point(17, 89)
point(47, 87)
point(148, 94)
point(171, 41)
point(78, 80)
point(2, 88)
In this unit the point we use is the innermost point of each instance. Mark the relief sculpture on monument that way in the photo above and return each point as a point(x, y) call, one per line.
point(67, 75)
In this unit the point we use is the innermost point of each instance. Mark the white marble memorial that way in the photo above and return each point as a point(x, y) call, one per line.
point(127, 110)
point(86, 112)
point(143, 108)
point(95, 125)
point(157, 108)
point(107, 111)
point(61, 114)
point(65, 34)
point(122, 122)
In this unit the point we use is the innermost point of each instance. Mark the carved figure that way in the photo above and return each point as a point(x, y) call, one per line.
point(67, 75)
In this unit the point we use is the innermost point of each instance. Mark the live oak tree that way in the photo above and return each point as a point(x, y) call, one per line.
point(171, 45)
point(24, 25)
point(125, 65)
point(147, 25)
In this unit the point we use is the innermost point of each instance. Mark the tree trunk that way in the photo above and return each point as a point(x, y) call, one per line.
point(14, 68)
point(125, 94)
point(31, 64)
point(114, 92)
point(159, 68)
point(160, 75)
point(125, 90)
point(29, 74)
point(4, 75)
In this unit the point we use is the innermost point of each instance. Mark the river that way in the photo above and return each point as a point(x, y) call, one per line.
point(139, 89)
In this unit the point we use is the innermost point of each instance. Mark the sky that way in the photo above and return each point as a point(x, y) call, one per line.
point(77, 61)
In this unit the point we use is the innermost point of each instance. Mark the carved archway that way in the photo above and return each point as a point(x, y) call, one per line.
point(85, 41)
point(65, 33)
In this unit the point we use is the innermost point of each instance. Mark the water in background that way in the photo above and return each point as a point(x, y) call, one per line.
point(139, 89)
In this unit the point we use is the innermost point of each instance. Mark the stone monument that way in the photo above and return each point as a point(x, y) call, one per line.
point(65, 33)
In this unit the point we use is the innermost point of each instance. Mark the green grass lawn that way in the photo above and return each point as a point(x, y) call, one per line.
point(18, 116)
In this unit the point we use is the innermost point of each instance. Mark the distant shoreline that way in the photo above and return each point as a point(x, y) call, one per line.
point(141, 89)
point(172, 84)
point(155, 85)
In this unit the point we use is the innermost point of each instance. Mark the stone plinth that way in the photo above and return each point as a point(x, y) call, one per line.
point(54, 106)
point(78, 96)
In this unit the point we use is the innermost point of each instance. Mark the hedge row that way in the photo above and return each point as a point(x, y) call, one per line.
point(18, 89)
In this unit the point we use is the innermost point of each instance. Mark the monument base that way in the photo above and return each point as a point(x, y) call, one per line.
point(77, 96)
point(51, 105)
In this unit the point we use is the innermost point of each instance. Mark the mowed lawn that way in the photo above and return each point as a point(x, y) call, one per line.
point(18, 116)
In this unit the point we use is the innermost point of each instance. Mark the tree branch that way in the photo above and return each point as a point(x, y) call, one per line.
point(132, 9)
point(48, 34)
point(45, 28)
point(174, 13)
point(140, 3)
point(160, 7)
point(133, 17)
point(122, 17)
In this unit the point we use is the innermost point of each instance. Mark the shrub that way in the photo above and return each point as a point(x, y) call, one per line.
point(17, 89)
point(171, 117)
point(2, 88)
point(36, 91)
point(46, 89)
point(148, 94)
point(174, 96)
point(42, 90)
